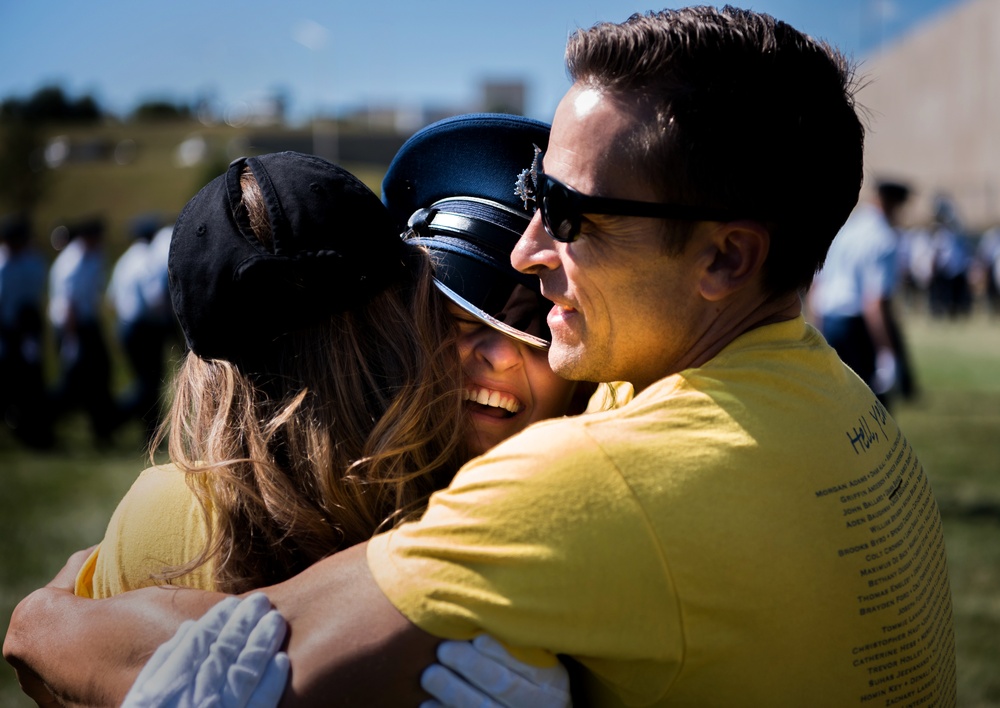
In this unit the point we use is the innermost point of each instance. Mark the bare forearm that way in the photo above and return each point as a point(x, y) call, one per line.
point(88, 652)
point(348, 645)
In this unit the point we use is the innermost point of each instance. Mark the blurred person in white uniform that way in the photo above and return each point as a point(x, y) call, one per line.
point(140, 329)
point(851, 297)
point(76, 296)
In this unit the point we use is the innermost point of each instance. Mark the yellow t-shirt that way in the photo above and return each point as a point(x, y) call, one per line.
point(754, 532)
point(158, 525)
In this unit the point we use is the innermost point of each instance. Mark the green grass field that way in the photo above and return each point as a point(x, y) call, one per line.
point(56, 503)
point(955, 428)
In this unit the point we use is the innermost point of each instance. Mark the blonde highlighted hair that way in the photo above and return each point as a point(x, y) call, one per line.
point(359, 420)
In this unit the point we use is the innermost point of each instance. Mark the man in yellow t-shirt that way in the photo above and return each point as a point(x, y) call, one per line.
point(752, 528)
point(753, 531)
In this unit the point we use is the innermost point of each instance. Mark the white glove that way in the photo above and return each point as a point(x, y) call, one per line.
point(481, 674)
point(227, 659)
point(885, 371)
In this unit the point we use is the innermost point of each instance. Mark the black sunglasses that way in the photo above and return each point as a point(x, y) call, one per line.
point(563, 208)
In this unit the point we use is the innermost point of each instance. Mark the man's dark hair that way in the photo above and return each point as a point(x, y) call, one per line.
point(745, 113)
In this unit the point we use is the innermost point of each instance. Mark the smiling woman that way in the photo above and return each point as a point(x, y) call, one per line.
point(460, 188)
point(508, 384)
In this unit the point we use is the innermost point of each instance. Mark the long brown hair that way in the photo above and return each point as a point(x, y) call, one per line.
point(359, 423)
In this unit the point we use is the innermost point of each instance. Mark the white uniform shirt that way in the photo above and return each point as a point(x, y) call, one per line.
point(76, 284)
point(860, 266)
point(126, 289)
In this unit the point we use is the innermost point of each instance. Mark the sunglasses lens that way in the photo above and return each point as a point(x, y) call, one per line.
point(557, 211)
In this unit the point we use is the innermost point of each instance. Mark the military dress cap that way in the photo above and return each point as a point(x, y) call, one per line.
point(333, 246)
point(462, 188)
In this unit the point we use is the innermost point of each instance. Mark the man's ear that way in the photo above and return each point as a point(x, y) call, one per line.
point(739, 249)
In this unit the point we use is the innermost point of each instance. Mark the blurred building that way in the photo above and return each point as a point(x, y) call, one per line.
point(503, 97)
point(495, 96)
point(932, 102)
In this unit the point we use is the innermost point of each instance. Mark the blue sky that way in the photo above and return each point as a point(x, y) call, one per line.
point(329, 55)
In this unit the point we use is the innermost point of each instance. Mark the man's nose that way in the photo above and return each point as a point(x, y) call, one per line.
point(535, 250)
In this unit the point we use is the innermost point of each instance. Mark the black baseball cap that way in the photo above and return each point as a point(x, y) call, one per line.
point(333, 246)
point(462, 188)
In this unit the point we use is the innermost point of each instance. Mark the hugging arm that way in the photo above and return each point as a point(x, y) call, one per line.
point(348, 645)
point(69, 650)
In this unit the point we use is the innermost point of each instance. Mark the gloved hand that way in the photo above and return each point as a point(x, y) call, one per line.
point(481, 674)
point(227, 659)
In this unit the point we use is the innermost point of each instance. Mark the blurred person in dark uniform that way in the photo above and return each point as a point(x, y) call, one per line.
point(140, 329)
point(23, 398)
point(76, 289)
point(950, 294)
point(851, 297)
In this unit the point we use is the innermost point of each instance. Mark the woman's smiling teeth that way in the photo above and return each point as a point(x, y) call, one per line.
point(493, 399)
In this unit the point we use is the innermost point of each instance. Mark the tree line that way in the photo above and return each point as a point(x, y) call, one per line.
point(51, 104)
